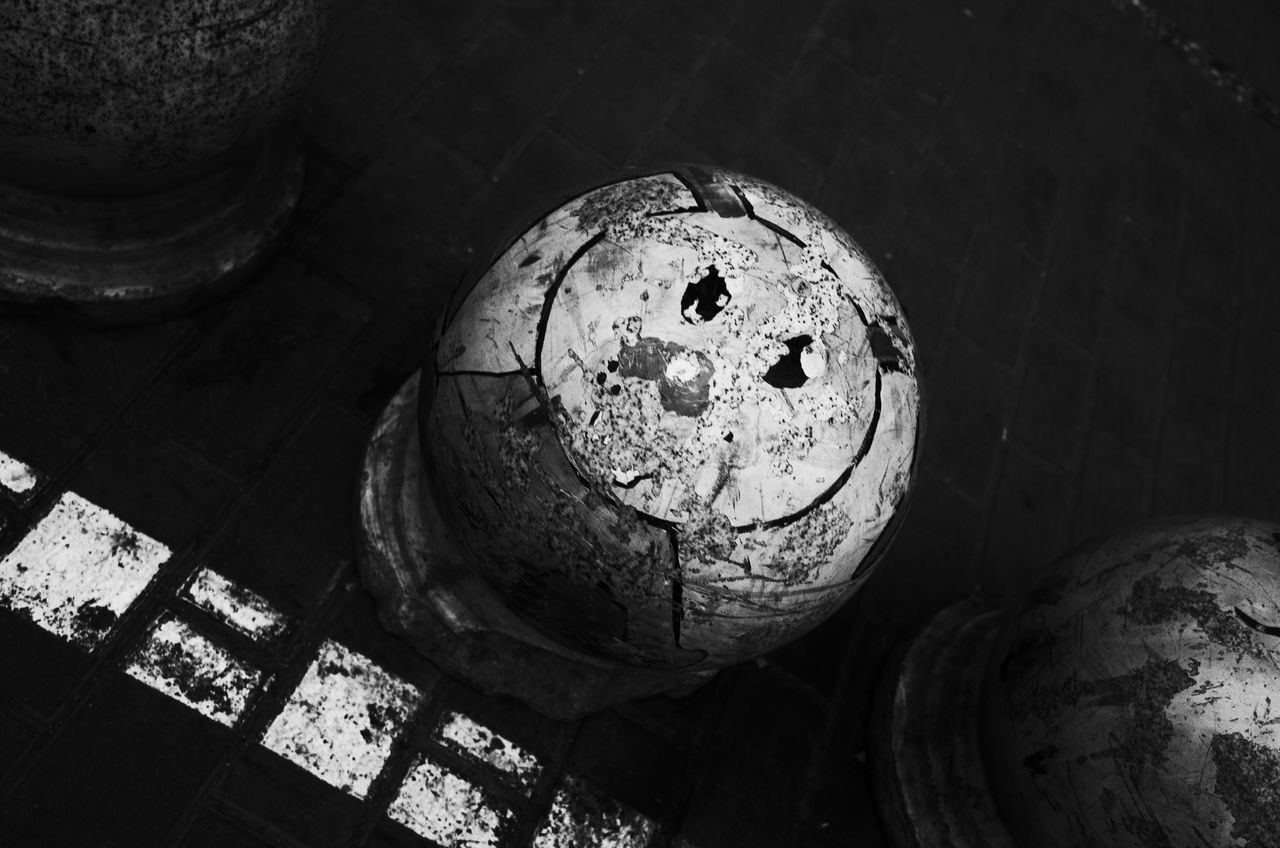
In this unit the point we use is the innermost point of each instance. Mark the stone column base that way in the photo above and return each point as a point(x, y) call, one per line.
point(428, 593)
point(928, 776)
point(146, 257)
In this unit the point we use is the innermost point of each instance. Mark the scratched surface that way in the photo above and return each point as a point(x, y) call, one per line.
point(447, 809)
point(1136, 695)
point(78, 571)
point(190, 668)
point(340, 722)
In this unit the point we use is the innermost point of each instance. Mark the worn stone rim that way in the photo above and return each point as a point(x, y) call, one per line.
point(928, 775)
point(151, 257)
point(416, 575)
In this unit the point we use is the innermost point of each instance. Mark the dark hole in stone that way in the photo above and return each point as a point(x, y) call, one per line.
point(594, 416)
point(786, 373)
point(705, 297)
point(529, 260)
point(615, 390)
point(884, 350)
point(613, 365)
point(728, 437)
point(601, 377)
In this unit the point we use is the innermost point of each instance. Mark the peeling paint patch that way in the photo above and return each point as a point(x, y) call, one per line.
point(447, 809)
point(340, 721)
point(235, 606)
point(472, 739)
point(15, 476)
point(582, 816)
point(189, 668)
point(78, 570)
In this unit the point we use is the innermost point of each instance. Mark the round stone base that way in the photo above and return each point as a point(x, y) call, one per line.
point(927, 770)
point(146, 257)
point(428, 594)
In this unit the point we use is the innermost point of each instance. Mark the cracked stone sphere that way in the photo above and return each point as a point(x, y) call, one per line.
point(672, 422)
point(1135, 702)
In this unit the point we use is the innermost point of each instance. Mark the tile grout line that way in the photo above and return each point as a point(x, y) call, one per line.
point(128, 632)
point(1212, 69)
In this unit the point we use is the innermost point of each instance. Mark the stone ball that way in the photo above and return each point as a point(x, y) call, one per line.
point(674, 418)
point(1134, 702)
point(122, 96)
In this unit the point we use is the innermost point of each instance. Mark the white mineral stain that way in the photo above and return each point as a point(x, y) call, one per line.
point(473, 739)
point(682, 369)
point(78, 570)
point(236, 606)
point(447, 809)
point(581, 816)
point(189, 668)
point(340, 722)
point(15, 476)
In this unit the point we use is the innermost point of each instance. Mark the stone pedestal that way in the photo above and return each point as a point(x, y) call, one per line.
point(927, 765)
point(144, 167)
point(429, 594)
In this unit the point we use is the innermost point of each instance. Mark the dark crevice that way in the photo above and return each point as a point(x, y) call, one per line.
point(677, 587)
point(781, 231)
point(1253, 624)
point(631, 484)
point(529, 260)
point(787, 372)
point(550, 298)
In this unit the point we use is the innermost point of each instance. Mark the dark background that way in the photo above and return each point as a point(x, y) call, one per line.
point(1079, 219)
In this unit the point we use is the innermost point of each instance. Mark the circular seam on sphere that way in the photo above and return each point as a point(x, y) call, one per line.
point(626, 233)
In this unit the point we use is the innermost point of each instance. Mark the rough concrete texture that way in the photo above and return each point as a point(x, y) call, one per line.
point(671, 419)
point(115, 96)
point(1133, 695)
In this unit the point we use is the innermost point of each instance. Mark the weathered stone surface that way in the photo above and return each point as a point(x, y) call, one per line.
point(1131, 702)
point(428, 594)
point(142, 167)
point(119, 96)
point(671, 419)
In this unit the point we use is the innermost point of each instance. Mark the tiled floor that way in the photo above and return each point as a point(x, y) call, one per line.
point(1079, 222)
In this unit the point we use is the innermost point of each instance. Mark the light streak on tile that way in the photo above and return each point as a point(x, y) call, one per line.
point(15, 476)
point(582, 816)
point(235, 606)
point(472, 739)
point(188, 667)
point(78, 570)
point(448, 809)
point(340, 722)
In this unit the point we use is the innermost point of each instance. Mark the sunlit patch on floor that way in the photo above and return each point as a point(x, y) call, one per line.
point(481, 744)
point(186, 666)
point(78, 570)
point(235, 606)
point(340, 722)
point(582, 816)
point(447, 809)
point(16, 477)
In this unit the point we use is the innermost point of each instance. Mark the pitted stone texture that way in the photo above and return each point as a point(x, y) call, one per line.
point(673, 417)
point(1133, 704)
point(120, 96)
